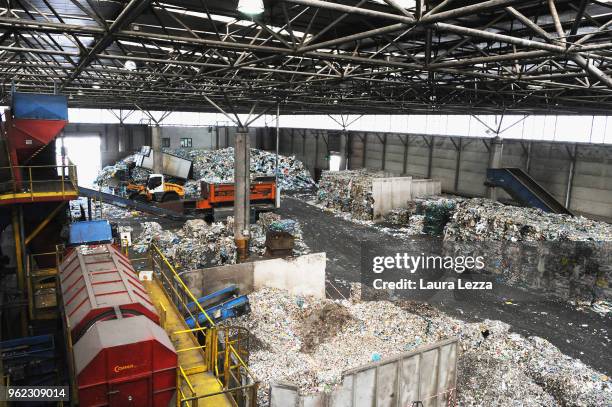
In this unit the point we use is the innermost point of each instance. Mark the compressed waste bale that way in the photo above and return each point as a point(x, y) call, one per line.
point(423, 215)
point(436, 214)
point(398, 216)
point(558, 254)
point(483, 219)
point(279, 242)
point(349, 191)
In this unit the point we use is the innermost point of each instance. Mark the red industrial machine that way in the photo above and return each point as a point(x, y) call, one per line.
point(31, 124)
point(214, 195)
point(121, 356)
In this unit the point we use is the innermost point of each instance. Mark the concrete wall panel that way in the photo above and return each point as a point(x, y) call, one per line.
point(427, 374)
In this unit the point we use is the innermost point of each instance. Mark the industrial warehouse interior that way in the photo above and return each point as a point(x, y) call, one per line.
point(306, 203)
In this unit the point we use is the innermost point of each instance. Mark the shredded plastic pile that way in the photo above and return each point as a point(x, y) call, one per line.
point(111, 173)
point(218, 166)
point(199, 244)
point(501, 369)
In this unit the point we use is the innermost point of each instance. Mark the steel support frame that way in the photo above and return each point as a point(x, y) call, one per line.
point(473, 64)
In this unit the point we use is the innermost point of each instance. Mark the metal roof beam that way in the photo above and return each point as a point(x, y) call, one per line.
point(131, 11)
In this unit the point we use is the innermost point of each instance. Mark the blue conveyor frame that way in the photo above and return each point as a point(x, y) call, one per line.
point(525, 190)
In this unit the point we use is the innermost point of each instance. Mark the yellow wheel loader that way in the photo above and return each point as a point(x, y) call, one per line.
point(156, 189)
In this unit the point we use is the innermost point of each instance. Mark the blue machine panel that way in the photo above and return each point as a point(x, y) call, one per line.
point(30, 360)
point(219, 306)
point(94, 231)
point(39, 106)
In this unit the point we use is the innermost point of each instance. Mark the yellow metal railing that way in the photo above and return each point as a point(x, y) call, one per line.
point(224, 349)
point(33, 180)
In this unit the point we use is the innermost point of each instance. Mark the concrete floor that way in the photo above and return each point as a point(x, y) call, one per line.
point(584, 335)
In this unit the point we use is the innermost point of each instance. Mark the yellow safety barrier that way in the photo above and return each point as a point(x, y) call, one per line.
point(223, 350)
point(39, 181)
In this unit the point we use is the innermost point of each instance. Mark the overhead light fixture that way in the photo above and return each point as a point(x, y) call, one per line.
point(130, 65)
point(251, 7)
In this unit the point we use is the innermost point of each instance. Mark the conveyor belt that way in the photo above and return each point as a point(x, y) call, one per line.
point(524, 189)
point(130, 203)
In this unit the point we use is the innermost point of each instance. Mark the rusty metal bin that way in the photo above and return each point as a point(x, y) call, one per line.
point(278, 243)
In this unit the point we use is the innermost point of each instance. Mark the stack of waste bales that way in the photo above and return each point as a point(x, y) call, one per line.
point(436, 213)
point(349, 191)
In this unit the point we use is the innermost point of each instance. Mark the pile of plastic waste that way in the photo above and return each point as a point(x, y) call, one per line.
point(495, 366)
point(216, 166)
point(110, 175)
point(199, 244)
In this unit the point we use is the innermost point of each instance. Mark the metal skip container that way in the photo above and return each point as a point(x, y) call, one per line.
point(120, 356)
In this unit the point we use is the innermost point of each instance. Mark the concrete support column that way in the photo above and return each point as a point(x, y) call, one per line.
point(364, 157)
point(348, 149)
point(384, 152)
point(121, 138)
point(430, 145)
point(242, 181)
point(156, 144)
point(405, 161)
point(528, 159)
point(459, 148)
point(496, 150)
point(316, 160)
point(570, 175)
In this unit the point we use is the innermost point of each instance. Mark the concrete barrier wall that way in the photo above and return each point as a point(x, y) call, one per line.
point(389, 193)
point(427, 375)
point(302, 275)
point(206, 281)
point(422, 188)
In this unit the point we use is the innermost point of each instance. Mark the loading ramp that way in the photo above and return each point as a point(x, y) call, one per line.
point(524, 189)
